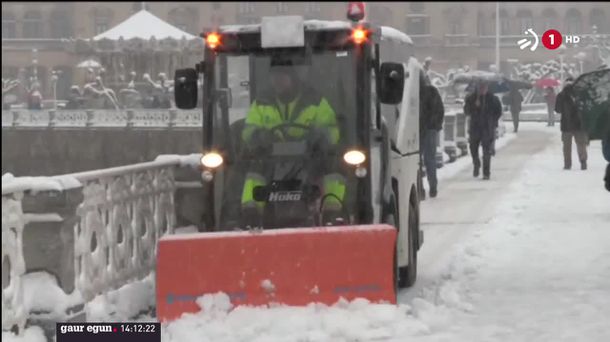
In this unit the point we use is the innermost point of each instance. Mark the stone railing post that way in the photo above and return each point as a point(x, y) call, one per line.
point(90, 117)
point(14, 313)
point(449, 137)
point(173, 115)
point(131, 116)
point(461, 134)
point(440, 148)
point(48, 245)
point(49, 233)
point(15, 118)
point(52, 118)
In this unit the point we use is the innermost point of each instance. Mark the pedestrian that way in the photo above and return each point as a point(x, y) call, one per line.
point(484, 110)
point(514, 101)
point(550, 98)
point(571, 126)
point(431, 116)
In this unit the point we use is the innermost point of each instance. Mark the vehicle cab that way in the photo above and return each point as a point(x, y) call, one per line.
point(363, 129)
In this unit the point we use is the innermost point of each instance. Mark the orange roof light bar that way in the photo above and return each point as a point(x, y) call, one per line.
point(213, 40)
point(359, 35)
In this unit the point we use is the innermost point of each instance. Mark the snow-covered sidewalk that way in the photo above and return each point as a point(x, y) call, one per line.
point(538, 270)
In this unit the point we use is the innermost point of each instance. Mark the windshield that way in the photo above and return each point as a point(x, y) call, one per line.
point(283, 120)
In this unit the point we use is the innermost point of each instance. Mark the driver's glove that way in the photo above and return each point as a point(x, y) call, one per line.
point(319, 139)
point(261, 138)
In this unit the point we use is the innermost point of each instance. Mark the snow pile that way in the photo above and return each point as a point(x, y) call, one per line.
point(11, 183)
point(358, 320)
point(392, 33)
point(268, 286)
point(43, 296)
point(193, 160)
point(132, 300)
point(308, 25)
point(31, 334)
point(315, 24)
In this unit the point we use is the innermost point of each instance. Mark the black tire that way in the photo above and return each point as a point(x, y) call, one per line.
point(390, 218)
point(408, 274)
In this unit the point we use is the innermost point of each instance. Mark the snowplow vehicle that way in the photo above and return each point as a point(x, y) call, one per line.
point(309, 167)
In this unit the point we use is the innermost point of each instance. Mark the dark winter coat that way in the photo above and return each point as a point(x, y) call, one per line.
point(483, 118)
point(431, 109)
point(566, 106)
point(550, 99)
point(514, 101)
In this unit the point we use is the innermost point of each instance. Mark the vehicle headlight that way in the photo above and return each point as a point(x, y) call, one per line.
point(354, 157)
point(211, 160)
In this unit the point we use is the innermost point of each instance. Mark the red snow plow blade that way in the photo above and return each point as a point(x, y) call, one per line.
point(287, 266)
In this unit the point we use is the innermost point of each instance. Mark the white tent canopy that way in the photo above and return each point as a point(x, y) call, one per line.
point(143, 25)
point(90, 63)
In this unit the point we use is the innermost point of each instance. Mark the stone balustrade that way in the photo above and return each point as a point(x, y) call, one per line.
point(93, 231)
point(87, 118)
point(449, 131)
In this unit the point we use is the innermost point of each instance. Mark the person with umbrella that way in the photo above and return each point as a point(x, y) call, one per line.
point(592, 97)
point(484, 110)
point(571, 126)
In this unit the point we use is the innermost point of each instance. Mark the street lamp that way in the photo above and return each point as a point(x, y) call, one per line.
point(562, 53)
point(512, 62)
point(54, 78)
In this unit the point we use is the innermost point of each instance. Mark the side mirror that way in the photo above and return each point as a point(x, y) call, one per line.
point(392, 83)
point(185, 88)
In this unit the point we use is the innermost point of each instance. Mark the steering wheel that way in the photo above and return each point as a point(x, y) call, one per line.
point(283, 129)
point(266, 137)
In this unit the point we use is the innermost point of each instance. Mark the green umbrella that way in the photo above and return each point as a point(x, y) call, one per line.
point(591, 92)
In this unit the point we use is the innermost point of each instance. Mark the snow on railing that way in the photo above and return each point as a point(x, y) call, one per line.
point(13, 264)
point(101, 118)
point(124, 212)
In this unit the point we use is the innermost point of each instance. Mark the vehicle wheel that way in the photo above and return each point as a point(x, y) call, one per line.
point(408, 274)
point(390, 219)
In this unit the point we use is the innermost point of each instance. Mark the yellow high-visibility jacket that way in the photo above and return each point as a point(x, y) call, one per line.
point(308, 109)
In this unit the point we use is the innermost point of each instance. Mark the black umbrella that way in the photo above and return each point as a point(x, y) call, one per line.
point(519, 84)
point(501, 85)
point(476, 75)
point(496, 82)
point(591, 93)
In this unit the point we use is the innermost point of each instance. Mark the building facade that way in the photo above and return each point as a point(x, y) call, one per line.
point(454, 34)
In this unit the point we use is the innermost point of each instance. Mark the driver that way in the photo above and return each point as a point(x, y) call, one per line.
point(290, 101)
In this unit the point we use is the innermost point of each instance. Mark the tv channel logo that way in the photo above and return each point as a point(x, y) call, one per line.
point(551, 39)
point(525, 42)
